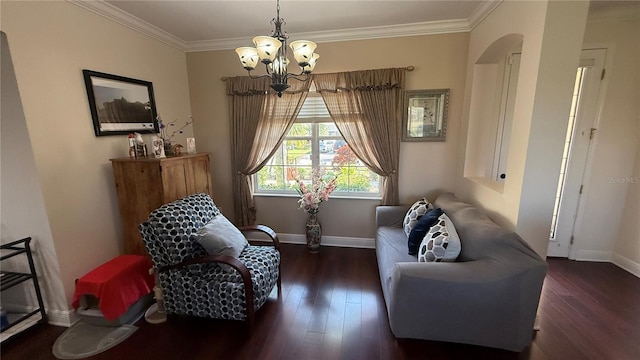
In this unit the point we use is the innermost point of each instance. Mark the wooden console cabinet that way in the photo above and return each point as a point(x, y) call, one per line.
point(143, 185)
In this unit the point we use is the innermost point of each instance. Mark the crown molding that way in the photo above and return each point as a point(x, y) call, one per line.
point(482, 11)
point(376, 32)
point(112, 13)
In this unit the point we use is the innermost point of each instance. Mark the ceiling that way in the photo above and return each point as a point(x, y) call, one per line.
point(213, 20)
point(225, 24)
point(196, 25)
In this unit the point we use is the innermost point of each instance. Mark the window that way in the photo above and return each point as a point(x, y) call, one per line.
point(314, 141)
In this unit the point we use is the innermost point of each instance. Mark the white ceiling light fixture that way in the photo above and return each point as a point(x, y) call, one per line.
point(272, 51)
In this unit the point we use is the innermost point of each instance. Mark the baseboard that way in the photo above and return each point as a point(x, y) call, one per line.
point(64, 318)
point(626, 264)
point(591, 255)
point(607, 256)
point(339, 241)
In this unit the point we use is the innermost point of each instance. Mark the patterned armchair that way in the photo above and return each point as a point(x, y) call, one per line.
point(193, 282)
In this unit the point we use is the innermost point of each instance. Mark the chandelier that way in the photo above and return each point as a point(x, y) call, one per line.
point(272, 52)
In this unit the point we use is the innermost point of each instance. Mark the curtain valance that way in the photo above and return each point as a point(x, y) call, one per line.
point(246, 86)
point(360, 80)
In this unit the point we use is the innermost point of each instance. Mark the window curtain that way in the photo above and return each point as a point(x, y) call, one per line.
point(367, 109)
point(259, 122)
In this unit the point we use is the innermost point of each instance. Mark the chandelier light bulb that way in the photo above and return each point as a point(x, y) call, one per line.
point(278, 66)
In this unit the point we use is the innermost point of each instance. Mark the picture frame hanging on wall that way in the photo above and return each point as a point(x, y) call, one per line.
point(120, 105)
point(425, 115)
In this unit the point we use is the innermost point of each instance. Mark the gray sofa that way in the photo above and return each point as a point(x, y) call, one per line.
point(488, 296)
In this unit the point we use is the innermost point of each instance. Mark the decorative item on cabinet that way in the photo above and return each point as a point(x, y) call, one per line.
point(177, 149)
point(158, 147)
point(144, 185)
point(168, 149)
point(132, 145)
point(191, 145)
point(140, 146)
point(168, 131)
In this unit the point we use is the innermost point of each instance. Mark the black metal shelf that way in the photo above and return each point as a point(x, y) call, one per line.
point(9, 279)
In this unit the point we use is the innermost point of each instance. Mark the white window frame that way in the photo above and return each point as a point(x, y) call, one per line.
point(315, 119)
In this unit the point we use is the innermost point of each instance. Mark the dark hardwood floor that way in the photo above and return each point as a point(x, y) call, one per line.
point(332, 307)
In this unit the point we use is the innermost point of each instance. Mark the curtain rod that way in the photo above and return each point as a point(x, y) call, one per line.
point(407, 68)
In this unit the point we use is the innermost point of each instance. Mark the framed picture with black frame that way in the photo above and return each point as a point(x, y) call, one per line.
point(120, 105)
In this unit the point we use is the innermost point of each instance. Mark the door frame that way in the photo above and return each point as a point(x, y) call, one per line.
point(584, 172)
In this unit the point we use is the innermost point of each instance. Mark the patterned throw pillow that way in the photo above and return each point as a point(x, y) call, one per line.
point(421, 228)
point(441, 243)
point(416, 211)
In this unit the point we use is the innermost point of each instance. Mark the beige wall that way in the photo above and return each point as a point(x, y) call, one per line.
point(51, 42)
point(425, 168)
point(527, 19)
point(542, 103)
point(22, 209)
point(613, 177)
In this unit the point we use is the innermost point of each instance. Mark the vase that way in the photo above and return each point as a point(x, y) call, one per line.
point(314, 233)
point(168, 148)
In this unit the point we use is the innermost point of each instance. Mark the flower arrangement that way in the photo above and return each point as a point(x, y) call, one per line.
point(312, 196)
point(165, 129)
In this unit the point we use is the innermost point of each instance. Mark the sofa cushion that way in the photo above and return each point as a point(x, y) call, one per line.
point(391, 248)
point(480, 237)
point(415, 212)
point(421, 228)
point(441, 243)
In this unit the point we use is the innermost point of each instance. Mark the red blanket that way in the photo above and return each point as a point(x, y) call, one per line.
point(117, 284)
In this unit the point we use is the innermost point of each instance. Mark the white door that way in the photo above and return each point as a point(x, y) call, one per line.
point(580, 132)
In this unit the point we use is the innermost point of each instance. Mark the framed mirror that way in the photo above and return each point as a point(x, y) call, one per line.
point(425, 115)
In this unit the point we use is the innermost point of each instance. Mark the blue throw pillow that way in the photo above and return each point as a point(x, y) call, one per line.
point(421, 228)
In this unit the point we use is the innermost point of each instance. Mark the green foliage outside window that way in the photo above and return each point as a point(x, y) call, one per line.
point(352, 179)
